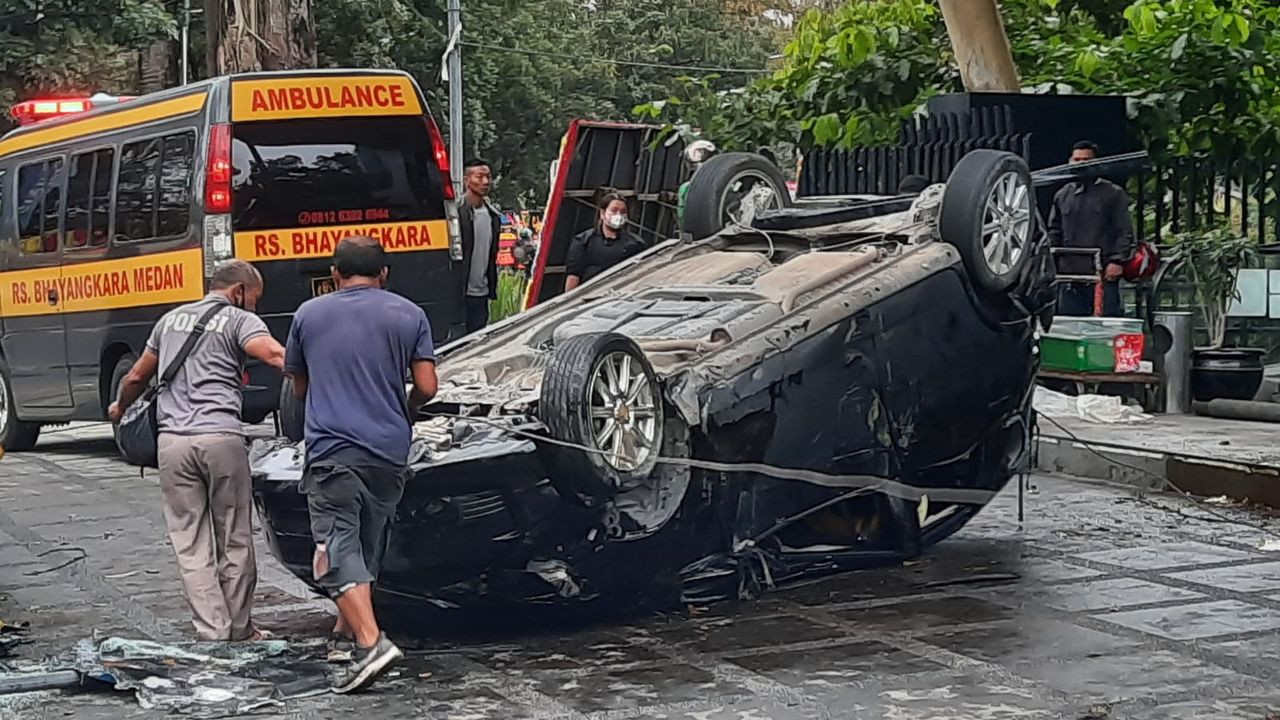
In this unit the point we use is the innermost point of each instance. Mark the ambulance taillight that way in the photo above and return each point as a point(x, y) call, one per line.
point(219, 244)
point(450, 207)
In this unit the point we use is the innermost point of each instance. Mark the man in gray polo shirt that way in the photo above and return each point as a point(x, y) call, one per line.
point(204, 465)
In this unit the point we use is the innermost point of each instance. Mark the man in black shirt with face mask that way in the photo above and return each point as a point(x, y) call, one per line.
point(1088, 214)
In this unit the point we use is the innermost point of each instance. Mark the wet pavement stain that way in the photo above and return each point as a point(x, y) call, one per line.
point(1097, 606)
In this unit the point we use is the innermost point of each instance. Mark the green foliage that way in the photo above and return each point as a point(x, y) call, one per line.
point(1210, 259)
point(529, 66)
point(848, 77)
point(519, 104)
point(1204, 74)
point(75, 46)
point(511, 288)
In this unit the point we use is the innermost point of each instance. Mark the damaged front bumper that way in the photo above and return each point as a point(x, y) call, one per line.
point(476, 501)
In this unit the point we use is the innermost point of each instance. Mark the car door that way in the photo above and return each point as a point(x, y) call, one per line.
point(34, 336)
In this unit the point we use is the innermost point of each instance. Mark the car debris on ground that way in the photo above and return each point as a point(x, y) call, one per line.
point(193, 679)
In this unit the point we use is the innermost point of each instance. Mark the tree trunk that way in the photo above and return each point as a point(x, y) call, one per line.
point(981, 45)
point(233, 34)
point(289, 33)
point(154, 71)
point(251, 35)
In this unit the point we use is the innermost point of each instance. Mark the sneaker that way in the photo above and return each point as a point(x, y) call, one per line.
point(340, 649)
point(366, 665)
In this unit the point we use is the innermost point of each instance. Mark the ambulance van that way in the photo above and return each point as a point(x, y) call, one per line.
point(112, 213)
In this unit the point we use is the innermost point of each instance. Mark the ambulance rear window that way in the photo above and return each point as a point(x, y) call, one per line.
point(320, 172)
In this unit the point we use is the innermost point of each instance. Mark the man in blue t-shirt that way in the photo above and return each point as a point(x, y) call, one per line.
point(349, 353)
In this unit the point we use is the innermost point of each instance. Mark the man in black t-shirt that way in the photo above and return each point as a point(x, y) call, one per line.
point(1088, 214)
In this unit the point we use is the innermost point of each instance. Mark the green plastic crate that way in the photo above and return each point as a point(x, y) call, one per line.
point(1084, 344)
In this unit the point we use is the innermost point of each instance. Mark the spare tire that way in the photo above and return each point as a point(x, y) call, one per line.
point(988, 214)
point(600, 394)
point(292, 412)
point(732, 187)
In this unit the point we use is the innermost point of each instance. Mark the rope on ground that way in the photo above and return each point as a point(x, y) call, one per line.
point(82, 556)
point(870, 483)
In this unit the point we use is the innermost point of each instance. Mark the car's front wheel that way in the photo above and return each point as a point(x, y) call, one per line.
point(15, 435)
point(601, 400)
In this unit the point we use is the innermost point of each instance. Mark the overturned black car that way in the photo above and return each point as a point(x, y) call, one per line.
point(816, 389)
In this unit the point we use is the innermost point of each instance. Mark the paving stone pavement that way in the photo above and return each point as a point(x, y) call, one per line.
point(1099, 605)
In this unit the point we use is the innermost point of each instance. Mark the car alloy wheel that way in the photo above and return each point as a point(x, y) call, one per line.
point(601, 402)
point(748, 194)
point(1006, 229)
point(624, 415)
point(988, 215)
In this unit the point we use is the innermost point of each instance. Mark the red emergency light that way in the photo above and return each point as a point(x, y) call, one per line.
point(32, 111)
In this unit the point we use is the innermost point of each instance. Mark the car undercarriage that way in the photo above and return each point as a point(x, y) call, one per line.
point(810, 392)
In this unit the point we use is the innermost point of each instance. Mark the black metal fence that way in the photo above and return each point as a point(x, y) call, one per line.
point(1186, 194)
point(1178, 195)
point(1190, 194)
point(928, 146)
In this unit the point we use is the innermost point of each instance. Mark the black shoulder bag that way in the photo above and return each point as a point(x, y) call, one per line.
point(139, 432)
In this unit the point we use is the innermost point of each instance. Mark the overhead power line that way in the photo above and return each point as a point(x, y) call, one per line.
point(627, 63)
point(432, 25)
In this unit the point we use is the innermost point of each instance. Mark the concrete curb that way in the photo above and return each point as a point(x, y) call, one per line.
point(1151, 470)
point(1141, 469)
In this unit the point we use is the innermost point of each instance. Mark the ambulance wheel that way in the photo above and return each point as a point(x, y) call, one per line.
point(15, 435)
point(123, 365)
point(292, 412)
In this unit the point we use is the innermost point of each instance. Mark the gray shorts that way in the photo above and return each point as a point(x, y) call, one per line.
point(352, 508)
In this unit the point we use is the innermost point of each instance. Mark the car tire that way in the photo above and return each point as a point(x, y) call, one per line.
point(292, 412)
point(584, 381)
point(123, 365)
point(15, 435)
point(708, 204)
point(988, 214)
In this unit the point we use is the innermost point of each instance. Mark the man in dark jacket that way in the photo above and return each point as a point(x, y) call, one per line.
point(1090, 214)
point(480, 225)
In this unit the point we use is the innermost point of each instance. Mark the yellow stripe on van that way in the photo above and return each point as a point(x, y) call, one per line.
point(319, 242)
point(151, 112)
point(284, 98)
point(160, 279)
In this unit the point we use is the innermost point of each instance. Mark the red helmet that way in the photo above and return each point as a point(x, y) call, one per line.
point(1143, 264)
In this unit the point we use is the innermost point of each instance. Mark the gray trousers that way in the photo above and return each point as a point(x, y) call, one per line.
point(208, 506)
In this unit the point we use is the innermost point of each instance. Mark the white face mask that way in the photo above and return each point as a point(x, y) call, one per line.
point(615, 220)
